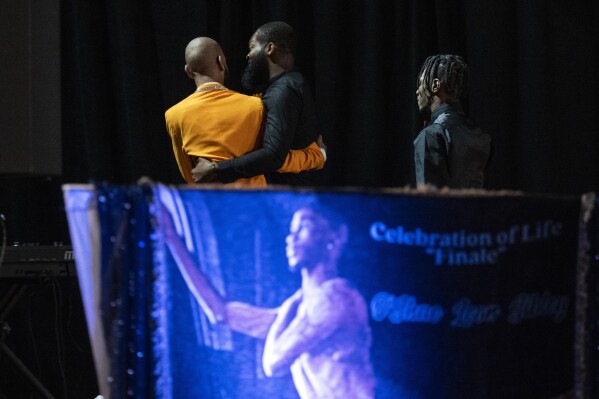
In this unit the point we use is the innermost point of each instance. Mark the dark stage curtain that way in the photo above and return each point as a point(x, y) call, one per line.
point(532, 82)
point(532, 66)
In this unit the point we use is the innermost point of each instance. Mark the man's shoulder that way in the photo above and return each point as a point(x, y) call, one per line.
point(432, 133)
point(238, 95)
point(432, 129)
point(340, 293)
point(290, 84)
point(290, 79)
point(176, 106)
point(451, 117)
point(254, 101)
point(292, 75)
point(174, 110)
point(338, 285)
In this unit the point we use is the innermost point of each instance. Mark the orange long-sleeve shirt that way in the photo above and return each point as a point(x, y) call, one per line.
point(218, 124)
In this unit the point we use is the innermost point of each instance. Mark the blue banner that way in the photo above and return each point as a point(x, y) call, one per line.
point(277, 294)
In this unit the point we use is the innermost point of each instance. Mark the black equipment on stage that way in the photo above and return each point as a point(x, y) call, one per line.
point(25, 266)
point(34, 261)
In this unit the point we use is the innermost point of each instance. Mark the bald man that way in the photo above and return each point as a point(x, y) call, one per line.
point(217, 124)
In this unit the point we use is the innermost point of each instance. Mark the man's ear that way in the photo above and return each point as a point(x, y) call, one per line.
point(188, 71)
point(220, 61)
point(435, 86)
point(269, 49)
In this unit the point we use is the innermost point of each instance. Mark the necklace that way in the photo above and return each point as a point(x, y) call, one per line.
point(210, 88)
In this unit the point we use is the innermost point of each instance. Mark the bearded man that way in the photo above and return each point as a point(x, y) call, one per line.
point(216, 123)
point(291, 113)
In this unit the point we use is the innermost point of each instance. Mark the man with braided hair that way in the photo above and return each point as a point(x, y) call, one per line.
point(450, 151)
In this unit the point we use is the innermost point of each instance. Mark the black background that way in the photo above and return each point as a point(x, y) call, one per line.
point(533, 87)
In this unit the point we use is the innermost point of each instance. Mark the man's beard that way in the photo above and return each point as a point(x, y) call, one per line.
point(255, 76)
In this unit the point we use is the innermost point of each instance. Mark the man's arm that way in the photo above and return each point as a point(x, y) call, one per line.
point(283, 105)
point(238, 316)
point(431, 155)
point(249, 320)
point(295, 332)
point(183, 160)
point(312, 157)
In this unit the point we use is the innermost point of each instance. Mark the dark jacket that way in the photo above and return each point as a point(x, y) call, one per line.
point(451, 151)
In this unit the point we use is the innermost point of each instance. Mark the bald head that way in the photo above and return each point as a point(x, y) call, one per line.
point(204, 56)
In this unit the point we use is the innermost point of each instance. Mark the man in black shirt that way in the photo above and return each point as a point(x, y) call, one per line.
point(291, 113)
point(451, 151)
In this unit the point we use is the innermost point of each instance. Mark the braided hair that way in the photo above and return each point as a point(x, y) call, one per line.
point(279, 33)
point(451, 70)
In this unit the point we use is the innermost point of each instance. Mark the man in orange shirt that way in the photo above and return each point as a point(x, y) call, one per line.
point(218, 124)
